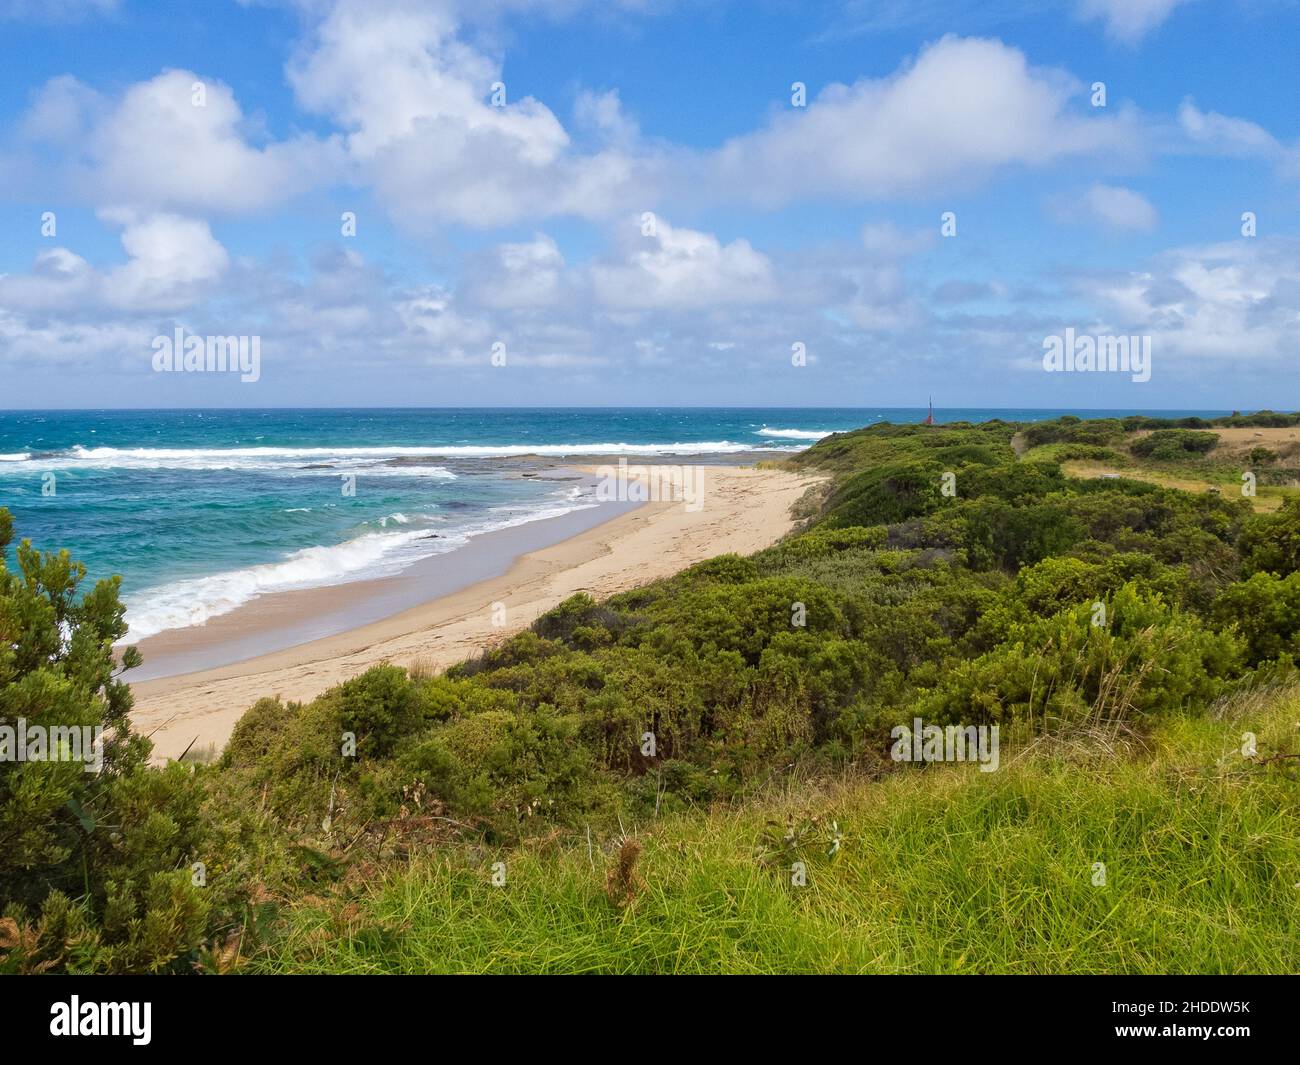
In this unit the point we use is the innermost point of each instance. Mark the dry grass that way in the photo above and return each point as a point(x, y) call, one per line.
point(1266, 502)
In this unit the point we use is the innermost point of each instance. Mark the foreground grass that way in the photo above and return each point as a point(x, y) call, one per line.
point(940, 870)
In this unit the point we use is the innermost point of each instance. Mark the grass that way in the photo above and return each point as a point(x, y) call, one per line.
point(1220, 470)
point(941, 870)
point(1267, 500)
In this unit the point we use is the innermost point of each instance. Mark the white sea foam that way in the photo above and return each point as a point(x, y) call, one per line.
point(244, 457)
point(370, 461)
point(199, 599)
point(195, 601)
point(330, 462)
point(437, 473)
point(797, 434)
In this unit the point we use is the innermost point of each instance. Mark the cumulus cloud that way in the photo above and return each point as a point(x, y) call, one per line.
point(423, 128)
point(172, 262)
point(524, 274)
point(963, 109)
point(412, 105)
point(1129, 20)
point(177, 141)
point(683, 268)
point(1236, 303)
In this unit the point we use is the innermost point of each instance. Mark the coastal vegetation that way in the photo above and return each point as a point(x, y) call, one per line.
point(695, 775)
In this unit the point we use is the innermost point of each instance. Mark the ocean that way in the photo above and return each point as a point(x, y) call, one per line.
point(203, 511)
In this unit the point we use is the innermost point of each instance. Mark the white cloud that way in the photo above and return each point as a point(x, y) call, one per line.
point(683, 268)
point(1129, 20)
point(62, 110)
point(1223, 134)
point(178, 141)
point(964, 108)
point(157, 149)
point(527, 274)
point(172, 263)
point(27, 344)
point(171, 260)
point(1236, 303)
point(602, 112)
point(1119, 208)
point(421, 126)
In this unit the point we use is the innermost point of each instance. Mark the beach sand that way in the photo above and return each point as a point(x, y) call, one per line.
point(742, 511)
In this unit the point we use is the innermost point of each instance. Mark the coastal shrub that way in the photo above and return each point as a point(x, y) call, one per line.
point(724, 569)
point(1080, 452)
point(94, 865)
point(1170, 445)
point(507, 767)
point(1262, 419)
point(889, 493)
point(1265, 610)
point(1146, 659)
point(1007, 535)
point(291, 754)
point(1270, 543)
point(821, 543)
point(380, 707)
point(1064, 582)
point(1137, 422)
point(959, 455)
point(1018, 483)
point(578, 613)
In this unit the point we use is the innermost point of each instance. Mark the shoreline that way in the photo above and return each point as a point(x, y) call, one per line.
point(280, 620)
point(745, 509)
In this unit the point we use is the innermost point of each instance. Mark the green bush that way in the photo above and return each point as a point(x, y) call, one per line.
point(380, 707)
point(1144, 658)
point(1270, 543)
point(94, 866)
point(1170, 445)
point(1266, 612)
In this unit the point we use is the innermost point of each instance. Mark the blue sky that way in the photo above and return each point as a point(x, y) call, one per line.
point(525, 225)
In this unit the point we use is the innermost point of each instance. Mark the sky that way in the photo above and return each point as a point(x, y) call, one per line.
point(650, 202)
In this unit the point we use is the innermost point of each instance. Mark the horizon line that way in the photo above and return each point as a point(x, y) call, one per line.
point(555, 407)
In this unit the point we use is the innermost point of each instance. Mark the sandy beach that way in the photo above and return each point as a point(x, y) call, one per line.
point(743, 510)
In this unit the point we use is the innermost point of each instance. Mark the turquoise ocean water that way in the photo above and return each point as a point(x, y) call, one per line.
point(202, 511)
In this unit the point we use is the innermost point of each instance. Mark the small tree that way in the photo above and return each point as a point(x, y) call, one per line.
point(95, 852)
